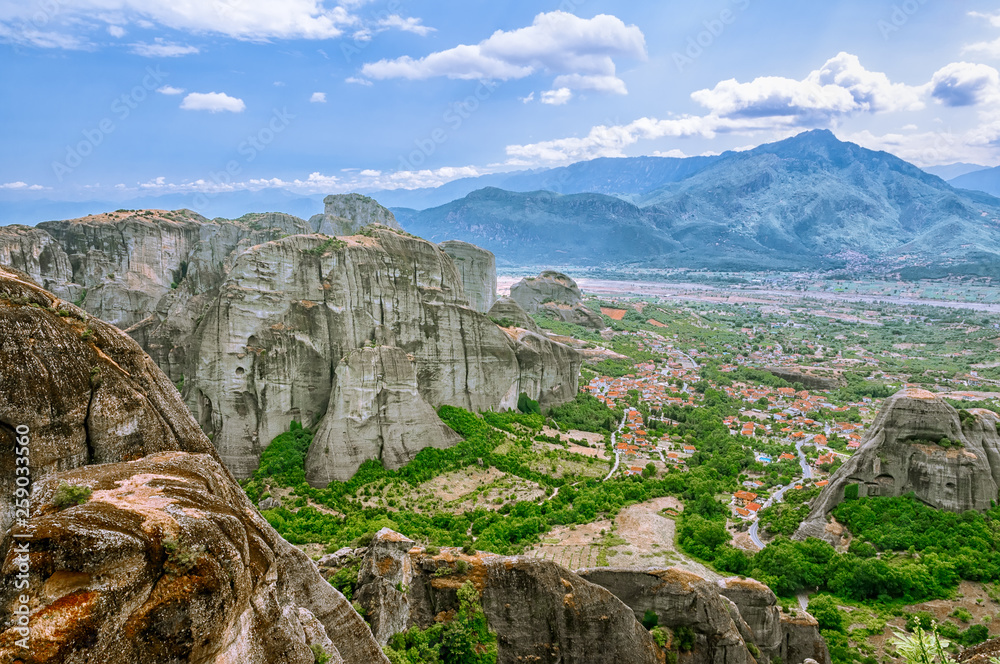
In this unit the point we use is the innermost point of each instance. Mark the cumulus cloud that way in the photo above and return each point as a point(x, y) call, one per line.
point(358, 81)
point(170, 90)
point(557, 97)
point(22, 186)
point(116, 31)
point(163, 49)
point(579, 51)
point(318, 98)
point(779, 106)
point(965, 84)
point(840, 87)
point(213, 102)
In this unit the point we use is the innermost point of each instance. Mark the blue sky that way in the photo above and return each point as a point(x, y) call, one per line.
point(116, 98)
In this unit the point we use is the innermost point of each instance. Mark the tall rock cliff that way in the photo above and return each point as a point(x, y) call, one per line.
point(556, 295)
point(346, 214)
point(162, 557)
point(290, 310)
point(478, 269)
point(257, 319)
point(901, 453)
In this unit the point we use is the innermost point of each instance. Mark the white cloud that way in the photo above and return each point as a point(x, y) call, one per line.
point(990, 49)
point(24, 36)
point(116, 31)
point(579, 51)
point(24, 186)
point(170, 90)
point(163, 49)
point(213, 102)
point(414, 25)
point(966, 84)
point(557, 97)
point(240, 19)
point(358, 81)
point(318, 98)
point(527, 100)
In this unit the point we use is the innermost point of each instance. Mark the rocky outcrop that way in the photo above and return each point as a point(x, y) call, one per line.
point(540, 612)
point(507, 312)
point(38, 254)
point(165, 559)
point(346, 214)
point(680, 599)
point(292, 309)
point(256, 322)
point(790, 638)
point(375, 412)
point(556, 295)
point(478, 269)
point(901, 454)
point(809, 381)
point(980, 654)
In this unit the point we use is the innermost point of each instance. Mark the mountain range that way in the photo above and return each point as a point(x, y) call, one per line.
point(810, 201)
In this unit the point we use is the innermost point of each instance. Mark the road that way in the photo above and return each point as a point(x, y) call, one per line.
point(614, 448)
point(776, 497)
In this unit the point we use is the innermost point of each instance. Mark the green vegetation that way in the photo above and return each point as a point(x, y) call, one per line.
point(68, 495)
point(586, 413)
point(464, 640)
point(328, 244)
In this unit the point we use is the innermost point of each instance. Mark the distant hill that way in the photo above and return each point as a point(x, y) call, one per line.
point(808, 201)
point(952, 171)
point(987, 181)
point(627, 178)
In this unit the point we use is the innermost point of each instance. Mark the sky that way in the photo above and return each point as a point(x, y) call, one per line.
point(119, 98)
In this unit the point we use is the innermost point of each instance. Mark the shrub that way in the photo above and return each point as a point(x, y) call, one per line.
point(320, 656)
point(650, 619)
point(826, 613)
point(181, 557)
point(68, 495)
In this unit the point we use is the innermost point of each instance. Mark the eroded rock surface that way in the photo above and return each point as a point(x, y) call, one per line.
point(38, 254)
point(346, 214)
point(558, 296)
point(166, 560)
point(900, 454)
point(507, 311)
point(478, 269)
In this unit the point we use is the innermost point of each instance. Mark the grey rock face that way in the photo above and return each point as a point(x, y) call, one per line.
point(899, 454)
point(105, 584)
point(557, 295)
point(776, 634)
point(540, 611)
point(38, 254)
point(478, 269)
point(346, 214)
point(375, 412)
point(507, 309)
point(680, 599)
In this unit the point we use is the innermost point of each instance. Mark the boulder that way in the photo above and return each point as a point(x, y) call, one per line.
point(166, 559)
point(383, 583)
point(478, 270)
point(556, 295)
point(900, 454)
point(507, 312)
point(346, 214)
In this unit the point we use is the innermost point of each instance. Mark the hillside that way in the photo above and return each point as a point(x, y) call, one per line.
point(809, 201)
point(987, 181)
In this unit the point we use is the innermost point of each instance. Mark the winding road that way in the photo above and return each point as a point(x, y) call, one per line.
point(776, 497)
point(614, 442)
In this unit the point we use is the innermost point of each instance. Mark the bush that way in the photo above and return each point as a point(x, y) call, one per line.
point(68, 495)
point(650, 619)
point(320, 656)
point(824, 609)
point(527, 405)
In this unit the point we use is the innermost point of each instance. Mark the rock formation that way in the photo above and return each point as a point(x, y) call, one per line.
point(901, 453)
point(346, 214)
point(542, 612)
point(556, 295)
point(375, 412)
point(478, 269)
point(166, 559)
point(255, 319)
point(507, 312)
